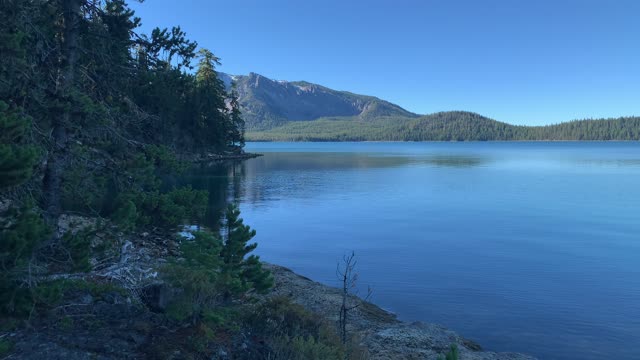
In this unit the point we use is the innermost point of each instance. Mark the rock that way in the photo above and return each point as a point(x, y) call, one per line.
point(87, 299)
point(380, 331)
point(73, 224)
point(4, 205)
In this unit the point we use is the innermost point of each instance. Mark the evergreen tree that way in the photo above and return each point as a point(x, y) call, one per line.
point(213, 269)
point(105, 110)
point(211, 120)
point(236, 134)
point(16, 160)
point(239, 272)
point(197, 274)
point(21, 230)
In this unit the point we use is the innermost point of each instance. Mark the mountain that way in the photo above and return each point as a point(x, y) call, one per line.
point(268, 103)
point(277, 110)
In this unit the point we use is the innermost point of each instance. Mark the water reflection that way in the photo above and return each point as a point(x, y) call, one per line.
point(454, 161)
point(295, 173)
point(341, 161)
point(223, 182)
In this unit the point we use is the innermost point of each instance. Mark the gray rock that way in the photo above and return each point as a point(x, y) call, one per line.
point(380, 331)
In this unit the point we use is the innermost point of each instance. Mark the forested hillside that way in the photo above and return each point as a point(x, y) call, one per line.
point(93, 116)
point(278, 110)
point(446, 126)
point(93, 110)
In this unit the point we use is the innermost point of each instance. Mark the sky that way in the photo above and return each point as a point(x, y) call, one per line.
point(523, 62)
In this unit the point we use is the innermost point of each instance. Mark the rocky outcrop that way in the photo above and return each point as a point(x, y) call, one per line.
point(381, 333)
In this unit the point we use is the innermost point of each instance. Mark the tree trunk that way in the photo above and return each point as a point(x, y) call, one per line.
point(52, 185)
point(343, 309)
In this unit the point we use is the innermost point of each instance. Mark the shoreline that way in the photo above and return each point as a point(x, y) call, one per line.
point(379, 330)
point(129, 324)
point(211, 158)
point(440, 141)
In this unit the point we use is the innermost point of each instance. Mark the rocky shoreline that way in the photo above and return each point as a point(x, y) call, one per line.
point(380, 331)
point(114, 325)
point(213, 158)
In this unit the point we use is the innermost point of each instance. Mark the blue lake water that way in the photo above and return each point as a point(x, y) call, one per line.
point(529, 247)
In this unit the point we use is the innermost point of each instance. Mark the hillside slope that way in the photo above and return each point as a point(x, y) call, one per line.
point(276, 110)
point(447, 126)
point(267, 103)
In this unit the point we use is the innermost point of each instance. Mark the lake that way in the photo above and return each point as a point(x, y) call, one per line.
point(521, 246)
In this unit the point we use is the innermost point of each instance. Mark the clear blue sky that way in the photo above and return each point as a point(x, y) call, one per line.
point(523, 62)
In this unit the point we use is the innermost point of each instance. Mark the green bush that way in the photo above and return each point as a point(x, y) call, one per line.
point(126, 215)
point(5, 347)
point(165, 210)
point(86, 186)
point(223, 317)
point(49, 294)
point(452, 354)
point(164, 159)
point(21, 230)
point(78, 249)
point(196, 274)
point(16, 159)
point(212, 271)
point(279, 316)
point(300, 348)
point(292, 332)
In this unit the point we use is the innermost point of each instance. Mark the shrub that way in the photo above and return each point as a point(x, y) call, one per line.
point(292, 332)
point(196, 274)
point(452, 354)
point(78, 249)
point(212, 271)
point(21, 230)
point(5, 347)
point(165, 210)
point(300, 348)
point(280, 317)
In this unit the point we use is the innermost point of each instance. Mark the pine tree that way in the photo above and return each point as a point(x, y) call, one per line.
point(197, 274)
point(236, 135)
point(239, 272)
point(20, 230)
point(16, 160)
point(211, 120)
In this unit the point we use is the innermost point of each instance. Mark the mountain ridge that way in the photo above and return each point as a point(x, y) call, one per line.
point(279, 110)
point(268, 103)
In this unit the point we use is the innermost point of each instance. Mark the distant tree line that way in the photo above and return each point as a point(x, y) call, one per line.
point(447, 126)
